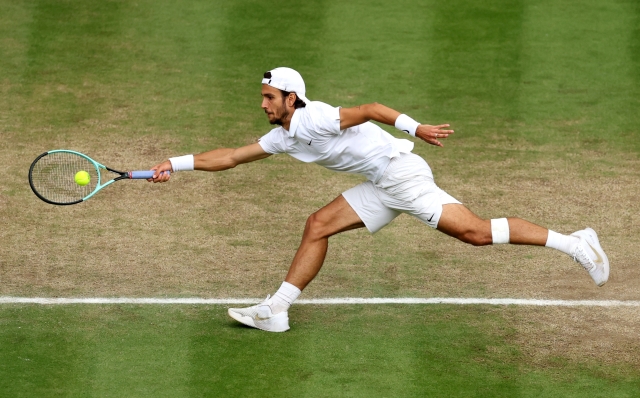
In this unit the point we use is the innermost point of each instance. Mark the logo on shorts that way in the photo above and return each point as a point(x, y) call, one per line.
point(431, 218)
point(309, 143)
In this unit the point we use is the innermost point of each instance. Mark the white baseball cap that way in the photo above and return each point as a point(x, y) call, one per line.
point(286, 79)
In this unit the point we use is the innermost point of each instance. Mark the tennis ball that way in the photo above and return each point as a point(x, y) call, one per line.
point(82, 178)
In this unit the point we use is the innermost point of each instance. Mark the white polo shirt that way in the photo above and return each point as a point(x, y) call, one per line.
point(315, 137)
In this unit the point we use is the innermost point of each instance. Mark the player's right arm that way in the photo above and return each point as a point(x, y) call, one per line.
point(216, 160)
point(227, 158)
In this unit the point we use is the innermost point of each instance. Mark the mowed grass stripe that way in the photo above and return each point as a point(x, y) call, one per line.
point(324, 301)
point(354, 351)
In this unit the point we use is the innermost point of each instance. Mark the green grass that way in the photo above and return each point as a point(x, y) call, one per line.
point(505, 68)
point(347, 351)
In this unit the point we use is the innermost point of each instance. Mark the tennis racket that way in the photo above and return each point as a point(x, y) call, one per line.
point(52, 177)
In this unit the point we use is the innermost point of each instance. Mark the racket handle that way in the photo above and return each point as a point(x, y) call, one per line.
point(143, 174)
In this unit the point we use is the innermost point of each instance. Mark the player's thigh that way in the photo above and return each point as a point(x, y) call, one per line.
point(338, 216)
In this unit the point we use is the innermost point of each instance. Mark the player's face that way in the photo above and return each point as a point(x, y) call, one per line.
point(274, 105)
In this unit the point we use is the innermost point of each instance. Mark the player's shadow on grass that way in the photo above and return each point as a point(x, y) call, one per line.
point(239, 326)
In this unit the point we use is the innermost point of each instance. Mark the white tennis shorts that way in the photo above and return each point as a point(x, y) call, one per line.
point(406, 186)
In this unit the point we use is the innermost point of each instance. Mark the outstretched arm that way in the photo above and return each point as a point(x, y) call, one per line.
point(350, 117)
point(216, 160)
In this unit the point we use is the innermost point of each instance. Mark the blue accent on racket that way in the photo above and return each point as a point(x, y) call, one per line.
point(141, 175)
point(52, 176)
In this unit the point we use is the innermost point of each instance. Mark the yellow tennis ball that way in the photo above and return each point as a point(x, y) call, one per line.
point(82, 178)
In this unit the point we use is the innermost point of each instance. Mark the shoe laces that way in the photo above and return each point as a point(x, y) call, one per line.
point(580, 256)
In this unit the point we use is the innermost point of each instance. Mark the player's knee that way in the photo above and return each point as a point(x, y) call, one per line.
point(315, 226)
point(478, 235)
point(478, 238)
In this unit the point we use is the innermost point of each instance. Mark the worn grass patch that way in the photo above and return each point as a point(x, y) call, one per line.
point(551, 337)
point(215, 236)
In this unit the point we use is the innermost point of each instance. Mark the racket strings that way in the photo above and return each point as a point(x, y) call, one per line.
point(53, 177)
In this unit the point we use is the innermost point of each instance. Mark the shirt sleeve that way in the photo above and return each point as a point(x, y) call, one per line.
point(326, 118)
point(273, 142)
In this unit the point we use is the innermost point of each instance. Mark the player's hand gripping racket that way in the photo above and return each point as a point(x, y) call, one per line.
point(64, 177)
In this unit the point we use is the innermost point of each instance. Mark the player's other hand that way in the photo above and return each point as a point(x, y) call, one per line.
point(433, 134)
point(160, 169)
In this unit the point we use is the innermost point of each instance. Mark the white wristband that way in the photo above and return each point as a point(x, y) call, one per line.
point(406, 124)
point(182, 163)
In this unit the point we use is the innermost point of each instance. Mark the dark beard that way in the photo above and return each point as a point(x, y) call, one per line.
point(280, 120)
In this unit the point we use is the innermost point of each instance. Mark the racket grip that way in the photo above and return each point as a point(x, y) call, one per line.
point(143, 174)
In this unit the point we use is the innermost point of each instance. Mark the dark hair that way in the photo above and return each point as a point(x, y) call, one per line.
point(297, 104)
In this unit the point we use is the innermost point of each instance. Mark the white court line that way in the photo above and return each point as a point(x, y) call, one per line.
point(325, 301)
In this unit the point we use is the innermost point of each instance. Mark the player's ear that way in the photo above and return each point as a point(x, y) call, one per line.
point(291, 99)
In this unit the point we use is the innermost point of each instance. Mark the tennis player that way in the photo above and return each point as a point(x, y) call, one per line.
point(398, 181)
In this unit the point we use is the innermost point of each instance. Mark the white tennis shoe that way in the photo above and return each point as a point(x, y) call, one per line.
point(590, 255)
point(261, 317)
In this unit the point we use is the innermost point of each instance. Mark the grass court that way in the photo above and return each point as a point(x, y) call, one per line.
point(543, 96)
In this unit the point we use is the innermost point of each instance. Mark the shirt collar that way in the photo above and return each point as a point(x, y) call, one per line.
point(295, 121)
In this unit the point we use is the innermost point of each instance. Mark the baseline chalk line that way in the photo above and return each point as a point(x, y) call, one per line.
point(322, 301)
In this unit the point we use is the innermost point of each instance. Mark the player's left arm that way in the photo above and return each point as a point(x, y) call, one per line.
point(350, 117)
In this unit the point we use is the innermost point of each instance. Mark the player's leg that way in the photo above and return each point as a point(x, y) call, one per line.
point(358, 207)
point(408, 186)
point(459, 222)
point(336, 217)
point(272, 314)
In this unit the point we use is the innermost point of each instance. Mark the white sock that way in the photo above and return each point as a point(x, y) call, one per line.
point(284, 297)
point(564, 243)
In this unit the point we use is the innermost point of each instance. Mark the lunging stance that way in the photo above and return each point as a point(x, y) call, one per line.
point(398, 181)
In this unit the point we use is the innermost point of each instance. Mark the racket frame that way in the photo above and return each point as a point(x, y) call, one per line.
point(123, 175)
